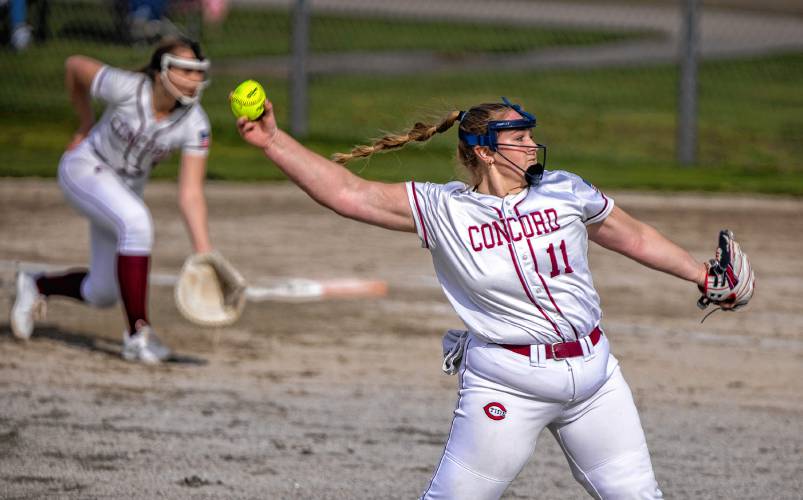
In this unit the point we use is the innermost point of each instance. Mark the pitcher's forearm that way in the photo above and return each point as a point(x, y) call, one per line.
point(643, 243)
point(324, 180)
point(658, 252)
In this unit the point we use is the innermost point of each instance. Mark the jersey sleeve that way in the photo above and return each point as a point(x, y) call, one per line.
point(425, 200)
point(198, 136)
point(113, 85)
point(594, 204)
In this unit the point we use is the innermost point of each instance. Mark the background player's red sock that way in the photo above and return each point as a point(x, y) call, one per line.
point(66, 285)
point(132, 275)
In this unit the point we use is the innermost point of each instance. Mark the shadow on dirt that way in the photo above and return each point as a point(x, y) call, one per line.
point(92, 343)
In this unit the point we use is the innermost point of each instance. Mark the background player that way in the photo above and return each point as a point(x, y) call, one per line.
point(149, 114)
point(510, 251)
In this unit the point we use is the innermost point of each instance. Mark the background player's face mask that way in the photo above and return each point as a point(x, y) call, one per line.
point(534, 172)
point(174, 82)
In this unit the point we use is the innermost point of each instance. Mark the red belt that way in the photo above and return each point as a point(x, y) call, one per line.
point(560, 350)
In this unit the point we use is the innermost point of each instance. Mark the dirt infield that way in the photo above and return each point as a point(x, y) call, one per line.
point(345, 399)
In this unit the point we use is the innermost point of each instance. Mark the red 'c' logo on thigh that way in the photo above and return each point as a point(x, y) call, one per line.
point(495, 411)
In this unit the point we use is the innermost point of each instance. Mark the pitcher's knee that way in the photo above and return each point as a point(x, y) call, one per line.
point(455, 480)
point(136, 233)
point(100, 295)
point(633, 490)
point(628, 476)
point(640, 485)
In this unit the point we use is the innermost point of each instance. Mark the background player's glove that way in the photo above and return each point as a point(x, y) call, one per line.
point(210, 291)
point(730, 281)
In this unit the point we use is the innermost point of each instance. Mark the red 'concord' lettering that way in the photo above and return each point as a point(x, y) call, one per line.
point(500, 232)
point(488, 236)
point(496, 232)
point(526, 226)
point(552, 218)
point(538, 221)
point(477, 247)
point(515, 236)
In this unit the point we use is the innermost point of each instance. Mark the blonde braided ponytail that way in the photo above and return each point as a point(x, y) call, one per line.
point(421, 132)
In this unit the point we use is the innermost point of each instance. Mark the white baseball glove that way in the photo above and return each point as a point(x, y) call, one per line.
point(730, 281)
point(210, 291)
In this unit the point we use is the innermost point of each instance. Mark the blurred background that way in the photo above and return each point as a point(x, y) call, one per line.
point(602, 78)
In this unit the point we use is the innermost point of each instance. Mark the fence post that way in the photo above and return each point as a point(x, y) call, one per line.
point(298, 70)
point(687, 92)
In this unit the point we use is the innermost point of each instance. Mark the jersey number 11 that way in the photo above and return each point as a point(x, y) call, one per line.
point(554, 259)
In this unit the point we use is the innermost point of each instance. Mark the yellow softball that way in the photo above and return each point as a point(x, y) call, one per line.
point(248, 100)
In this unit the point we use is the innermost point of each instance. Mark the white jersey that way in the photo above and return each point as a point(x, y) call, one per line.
point(516, 268)
point(128, 138)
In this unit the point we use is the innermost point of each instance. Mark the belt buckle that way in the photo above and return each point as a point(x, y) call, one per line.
point(555, 355)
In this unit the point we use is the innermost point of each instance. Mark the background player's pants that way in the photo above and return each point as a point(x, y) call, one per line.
point(585, 403)
point(120, 223)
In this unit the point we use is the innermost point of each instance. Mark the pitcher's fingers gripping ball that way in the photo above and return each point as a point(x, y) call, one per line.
point(730, 281)
point(248, 100)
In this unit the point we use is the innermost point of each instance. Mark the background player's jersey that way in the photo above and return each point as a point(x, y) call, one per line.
point(128, 138)
point(515, 268)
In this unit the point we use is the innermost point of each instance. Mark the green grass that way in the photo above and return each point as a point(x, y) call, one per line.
point(618, 132)
point(33, 81)
point(615, 126)
point(333, 33)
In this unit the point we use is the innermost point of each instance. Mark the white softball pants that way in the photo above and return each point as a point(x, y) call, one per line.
point(584, 401)
point(119, 221)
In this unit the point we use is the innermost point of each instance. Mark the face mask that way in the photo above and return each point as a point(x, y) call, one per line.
point(170, 60)
point(534, 172)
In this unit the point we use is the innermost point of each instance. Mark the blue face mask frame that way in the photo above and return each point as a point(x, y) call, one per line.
point(489, 139)
point(534, 173)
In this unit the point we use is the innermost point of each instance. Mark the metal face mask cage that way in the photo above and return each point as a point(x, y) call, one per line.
point(169, 60)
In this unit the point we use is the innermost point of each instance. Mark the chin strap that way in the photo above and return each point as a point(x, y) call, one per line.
point(534, 172)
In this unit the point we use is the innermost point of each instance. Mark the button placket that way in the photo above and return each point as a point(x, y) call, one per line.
point(521, 251)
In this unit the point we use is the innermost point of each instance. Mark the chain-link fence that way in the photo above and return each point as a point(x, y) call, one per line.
point(602, 78)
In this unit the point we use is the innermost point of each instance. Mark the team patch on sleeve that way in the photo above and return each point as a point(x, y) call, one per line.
point(203, 139)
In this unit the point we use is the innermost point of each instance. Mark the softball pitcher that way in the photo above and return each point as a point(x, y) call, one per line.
point(148, 115)
point(510, 252)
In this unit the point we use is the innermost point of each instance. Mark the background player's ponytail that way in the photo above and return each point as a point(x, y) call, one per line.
point(474, 121)
point(421, 132)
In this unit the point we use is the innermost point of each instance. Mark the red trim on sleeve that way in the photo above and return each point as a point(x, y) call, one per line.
point(420, 217)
